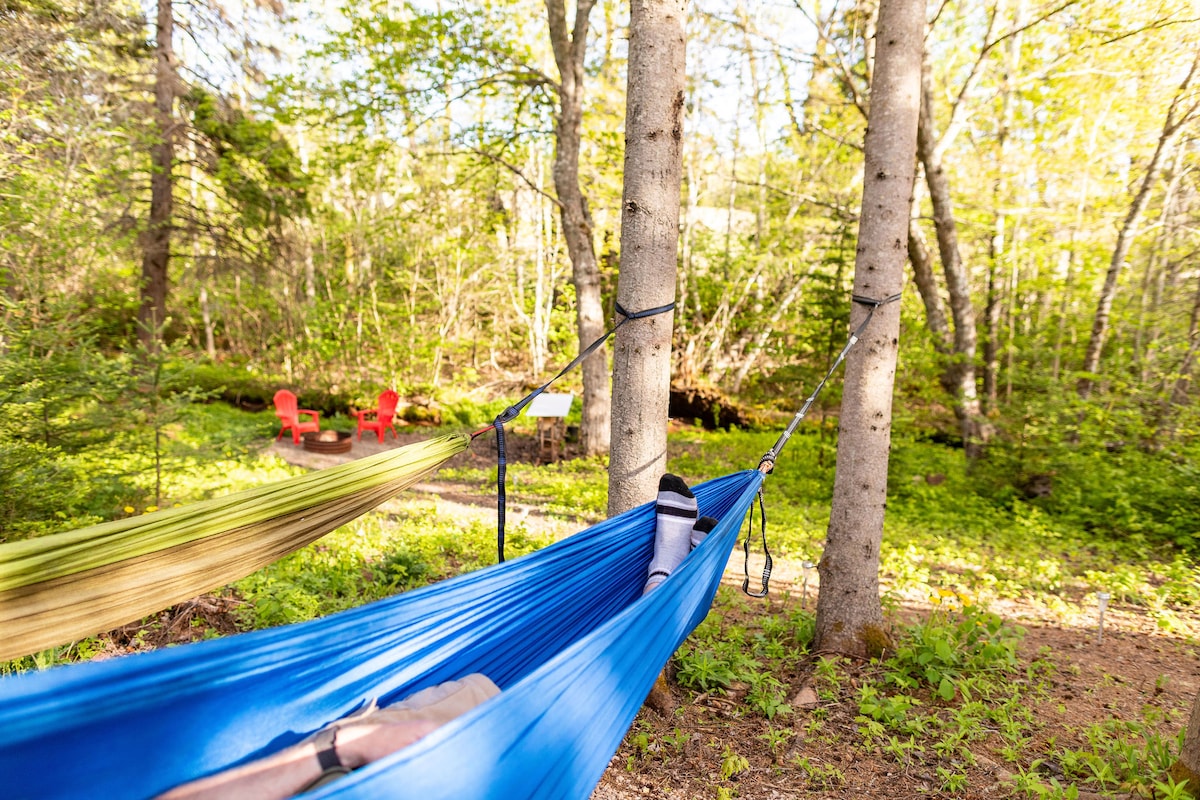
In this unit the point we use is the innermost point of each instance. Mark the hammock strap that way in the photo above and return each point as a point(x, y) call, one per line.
point(513, 411)
point(768, 563)
point(767, 463)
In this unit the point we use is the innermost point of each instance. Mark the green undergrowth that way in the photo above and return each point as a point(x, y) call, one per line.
point(209, 450)
point(953, 699)
point(374, 557)
point(942, 535)
point(575, 490)
point(942, 532)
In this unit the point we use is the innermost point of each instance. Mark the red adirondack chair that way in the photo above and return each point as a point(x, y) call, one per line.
point(289, 416)
point(379, 419)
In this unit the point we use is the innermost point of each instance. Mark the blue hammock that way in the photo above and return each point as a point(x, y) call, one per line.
point(563, 631)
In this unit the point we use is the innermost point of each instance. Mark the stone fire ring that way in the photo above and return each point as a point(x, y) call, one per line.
point(328, 442)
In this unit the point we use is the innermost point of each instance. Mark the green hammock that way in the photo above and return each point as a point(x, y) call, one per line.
point(59, 588)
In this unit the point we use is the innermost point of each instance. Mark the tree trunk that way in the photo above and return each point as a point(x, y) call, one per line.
point(922, 264)
point(1176, 118)
point(1187, 768)
point(1184, 372)
point(649, 247)
point(960, 369)
point(569, 51)
point(686, 318)
point(210, 339)
point(849, 616)
point(999, 247)
point(156, 250)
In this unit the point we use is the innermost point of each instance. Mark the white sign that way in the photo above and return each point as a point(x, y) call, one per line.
point(551, 405)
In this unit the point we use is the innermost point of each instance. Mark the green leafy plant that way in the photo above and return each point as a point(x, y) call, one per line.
point(702, 669)
point(775, 738)
point(950, 645)
point(820, 776)
point(732, 764)
point(952, 780)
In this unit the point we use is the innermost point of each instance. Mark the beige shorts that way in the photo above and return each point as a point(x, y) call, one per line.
point(440, 703)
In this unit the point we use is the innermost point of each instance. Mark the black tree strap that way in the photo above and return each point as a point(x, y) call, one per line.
point(767, 462)
point(767, 563)
point(514, 411)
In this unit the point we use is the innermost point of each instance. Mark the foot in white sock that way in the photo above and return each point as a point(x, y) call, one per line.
point(703, 527)
point(675, 515)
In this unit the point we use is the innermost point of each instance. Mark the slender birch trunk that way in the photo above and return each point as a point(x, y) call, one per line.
point(960, 373)
point(1177, 117)
point(849, 616)
point(569, 51)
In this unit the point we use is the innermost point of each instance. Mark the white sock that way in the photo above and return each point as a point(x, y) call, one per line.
point(675, 515)
point(703, 527)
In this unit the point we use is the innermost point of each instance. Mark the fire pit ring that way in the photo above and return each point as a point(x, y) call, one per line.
point(328, 441)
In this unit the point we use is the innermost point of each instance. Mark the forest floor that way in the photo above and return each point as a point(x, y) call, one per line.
point(1135, 676)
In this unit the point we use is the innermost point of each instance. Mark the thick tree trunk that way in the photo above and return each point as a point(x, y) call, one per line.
point(649, 248)
point(960, 369)
point(156, 250)
point(687, 318)
point(569, 51)
point(849, 617)
point(1176, 118)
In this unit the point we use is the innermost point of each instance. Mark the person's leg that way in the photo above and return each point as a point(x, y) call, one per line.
point(343, 745)
point(333, 752)
point(675, 516)
point(440, 703)
point(702, 528)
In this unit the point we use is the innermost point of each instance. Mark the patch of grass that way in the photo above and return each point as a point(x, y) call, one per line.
point(574, 489)
point(374, 557)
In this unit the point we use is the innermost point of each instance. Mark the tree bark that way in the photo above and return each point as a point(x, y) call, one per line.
point(1176, 118)
point(649, 247)
point(849, 616)
point(156, 249)
point(1188, 766)
point(922, 264)
point(569, 51)
point(999, 246)
point(960, 369)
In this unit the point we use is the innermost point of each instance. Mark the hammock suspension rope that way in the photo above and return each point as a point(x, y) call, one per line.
point(767, 463)
point(513, 411)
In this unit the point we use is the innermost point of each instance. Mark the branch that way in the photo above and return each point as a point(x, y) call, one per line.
point(515, 170)
point(956, 118)
point(841, 211)
point(846, 74)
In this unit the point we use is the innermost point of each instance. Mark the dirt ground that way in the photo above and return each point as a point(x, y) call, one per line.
point(1133, 668)
point(1094, 682)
